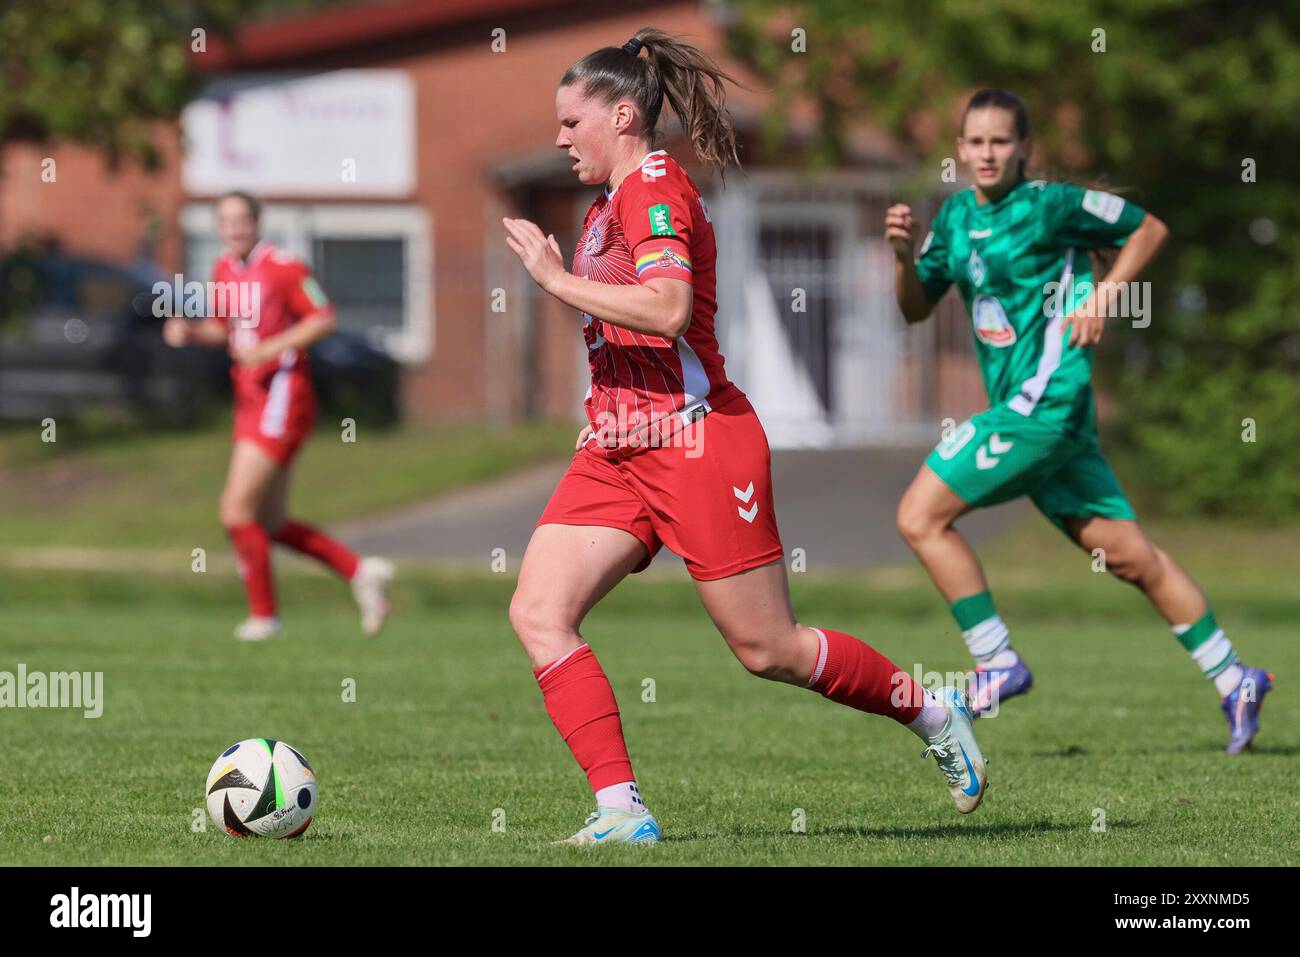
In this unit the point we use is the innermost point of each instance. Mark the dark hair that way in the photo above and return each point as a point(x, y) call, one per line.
point(1002, 100)
point(248, 199)
point(1103, 257)
point(684, 75)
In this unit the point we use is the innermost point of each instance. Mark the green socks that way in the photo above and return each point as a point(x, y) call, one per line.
point(1212, 651)
point(984, 631)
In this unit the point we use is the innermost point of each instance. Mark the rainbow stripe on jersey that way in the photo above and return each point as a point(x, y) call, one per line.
point(664, 259)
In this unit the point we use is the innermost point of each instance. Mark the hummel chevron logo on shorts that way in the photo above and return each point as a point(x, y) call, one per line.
point(995, 445)
point(745, 496)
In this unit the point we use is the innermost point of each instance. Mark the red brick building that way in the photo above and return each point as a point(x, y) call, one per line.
point(388, 140)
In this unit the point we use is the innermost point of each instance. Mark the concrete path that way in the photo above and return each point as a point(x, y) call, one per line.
point(837, 505)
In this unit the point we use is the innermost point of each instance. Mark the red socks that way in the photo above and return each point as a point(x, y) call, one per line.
point(309, 541)
point(852, 673)
point(253, 556)
point(581, 702)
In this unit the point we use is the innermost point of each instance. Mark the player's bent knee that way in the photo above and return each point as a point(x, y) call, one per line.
point(1137, 566)
point(524, 618)
point(1151, 564)
point(761, 660)
point(538, 627)
point(914, 524)
point(1122, 569)
point(233, 513)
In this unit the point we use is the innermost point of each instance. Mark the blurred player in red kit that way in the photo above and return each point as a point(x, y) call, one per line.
point(268, 310)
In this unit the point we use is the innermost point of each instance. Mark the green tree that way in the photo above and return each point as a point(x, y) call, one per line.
point(1194, 107)
point(100, 72)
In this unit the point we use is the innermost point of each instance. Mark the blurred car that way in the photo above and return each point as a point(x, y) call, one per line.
point(78, 334)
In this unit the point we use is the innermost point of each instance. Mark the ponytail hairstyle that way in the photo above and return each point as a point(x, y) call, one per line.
point(1002, 100)
point(684, 75)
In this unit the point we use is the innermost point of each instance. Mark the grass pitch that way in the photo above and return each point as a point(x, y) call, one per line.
point(447, 756)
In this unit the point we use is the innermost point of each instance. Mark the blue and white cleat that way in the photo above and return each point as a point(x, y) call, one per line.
point(957, 752)
point(991, 686)
point(1242, 707)
point(613, 826)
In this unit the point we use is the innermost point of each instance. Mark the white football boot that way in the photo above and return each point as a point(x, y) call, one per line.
point(609, 825)
point(258, 628)
point(957, 752)
point(369, 588)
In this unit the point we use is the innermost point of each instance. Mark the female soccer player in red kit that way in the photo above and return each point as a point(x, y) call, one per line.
point(268, 310)
point(673, 452)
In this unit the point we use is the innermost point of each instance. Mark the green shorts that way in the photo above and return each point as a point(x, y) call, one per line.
point(1000, 455)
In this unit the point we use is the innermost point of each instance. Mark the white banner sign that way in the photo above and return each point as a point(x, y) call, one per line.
point(347, 133)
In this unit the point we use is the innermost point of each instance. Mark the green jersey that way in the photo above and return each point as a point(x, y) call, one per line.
point(1020, 265)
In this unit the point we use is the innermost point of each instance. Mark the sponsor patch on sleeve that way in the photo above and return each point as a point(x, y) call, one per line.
point(1105, 206)
point(661, 222)
point(314, 292)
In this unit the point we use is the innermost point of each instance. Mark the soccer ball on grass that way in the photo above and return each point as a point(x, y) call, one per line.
point(261, 788)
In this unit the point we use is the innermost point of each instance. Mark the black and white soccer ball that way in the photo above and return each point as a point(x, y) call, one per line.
point(261, 788)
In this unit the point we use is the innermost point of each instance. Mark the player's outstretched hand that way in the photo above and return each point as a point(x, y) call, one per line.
point(539, 254)
point(582, 437)
point(898, 229)
point(177, 332)
point(1085, 322)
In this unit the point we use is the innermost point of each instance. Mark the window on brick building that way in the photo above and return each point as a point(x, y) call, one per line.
point(375, 262)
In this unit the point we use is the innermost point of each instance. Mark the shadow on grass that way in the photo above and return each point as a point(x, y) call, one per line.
point(989, 829)
point(1075, 751)
point(1069, 751)
point(1284, 751)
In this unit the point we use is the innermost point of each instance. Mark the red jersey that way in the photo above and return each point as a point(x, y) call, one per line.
point(256, 299)
point(652, 225)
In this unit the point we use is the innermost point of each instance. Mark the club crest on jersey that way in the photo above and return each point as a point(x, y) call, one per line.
point(975, 268)
point(665, 259)
point(991, 324)
point(670, 260)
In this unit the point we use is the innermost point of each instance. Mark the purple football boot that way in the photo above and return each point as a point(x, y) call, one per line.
point(991, 686)
point(1241, 708)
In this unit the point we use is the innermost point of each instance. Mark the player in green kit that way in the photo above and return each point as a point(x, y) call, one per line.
point(1018, 252)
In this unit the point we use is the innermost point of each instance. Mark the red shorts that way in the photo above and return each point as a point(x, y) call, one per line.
point(707, 496)
point(281, 420)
